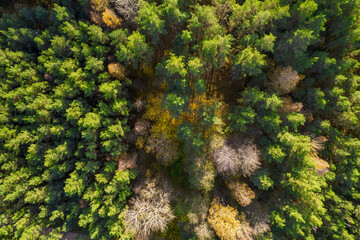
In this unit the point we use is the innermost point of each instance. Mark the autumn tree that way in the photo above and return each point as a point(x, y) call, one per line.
point(241, 192)
point(227, 222)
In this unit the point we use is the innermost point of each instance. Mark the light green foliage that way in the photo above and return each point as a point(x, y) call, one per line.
point(297, 144)
point(275, 154)
point(175, 66)
point(215, 50)
point(110, 89)
point(208, 116)
point(266, 43)
point(195, 67)
point(295, 120)
point(317, 99)
point(262, 180)
point(201, 174)
point(174, 103)
point(211, 68)
point(241, 117)
point(134, 50)
point(293, 45)
point(172, 12)
point(53, 101)
point(149, 20)
point(248, 62)
point(256, 15)
point(200, 86)
point(204, 23)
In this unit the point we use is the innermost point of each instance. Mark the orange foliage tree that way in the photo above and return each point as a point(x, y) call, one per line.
point(116, 70)
point(110, 19)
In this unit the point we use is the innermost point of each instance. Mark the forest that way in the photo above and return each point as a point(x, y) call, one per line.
point(180, 119)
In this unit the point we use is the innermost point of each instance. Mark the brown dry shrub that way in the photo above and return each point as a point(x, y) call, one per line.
point(243, 194)
point(321, 166)
point(317, 143)
point(116, 70)
point(110, 19)
point(165, 149)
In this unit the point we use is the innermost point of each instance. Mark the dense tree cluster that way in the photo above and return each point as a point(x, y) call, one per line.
point(64, 119)
point(168, 119)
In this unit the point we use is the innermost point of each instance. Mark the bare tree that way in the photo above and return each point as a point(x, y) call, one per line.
point(237, 155)
point(226, 160)
point(127, 9)
point(141, 127)
point(202, 173)
point(139, 104)
point(203, 231)
point(259, 217)
point(149, 211)
point(317, 143)
point(198, 215)
point(289, 106)
point(164, 148)
point(127, 161)
point(283, 79)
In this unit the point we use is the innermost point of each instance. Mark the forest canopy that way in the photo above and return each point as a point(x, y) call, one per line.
point(172, 119)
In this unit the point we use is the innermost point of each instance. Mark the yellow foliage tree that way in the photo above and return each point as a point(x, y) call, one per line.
point(98, 5)
point(116, 70)
point(201, 101)
point(241, 192)
point(110, 19)
point(162, 135)
point(227, 223)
